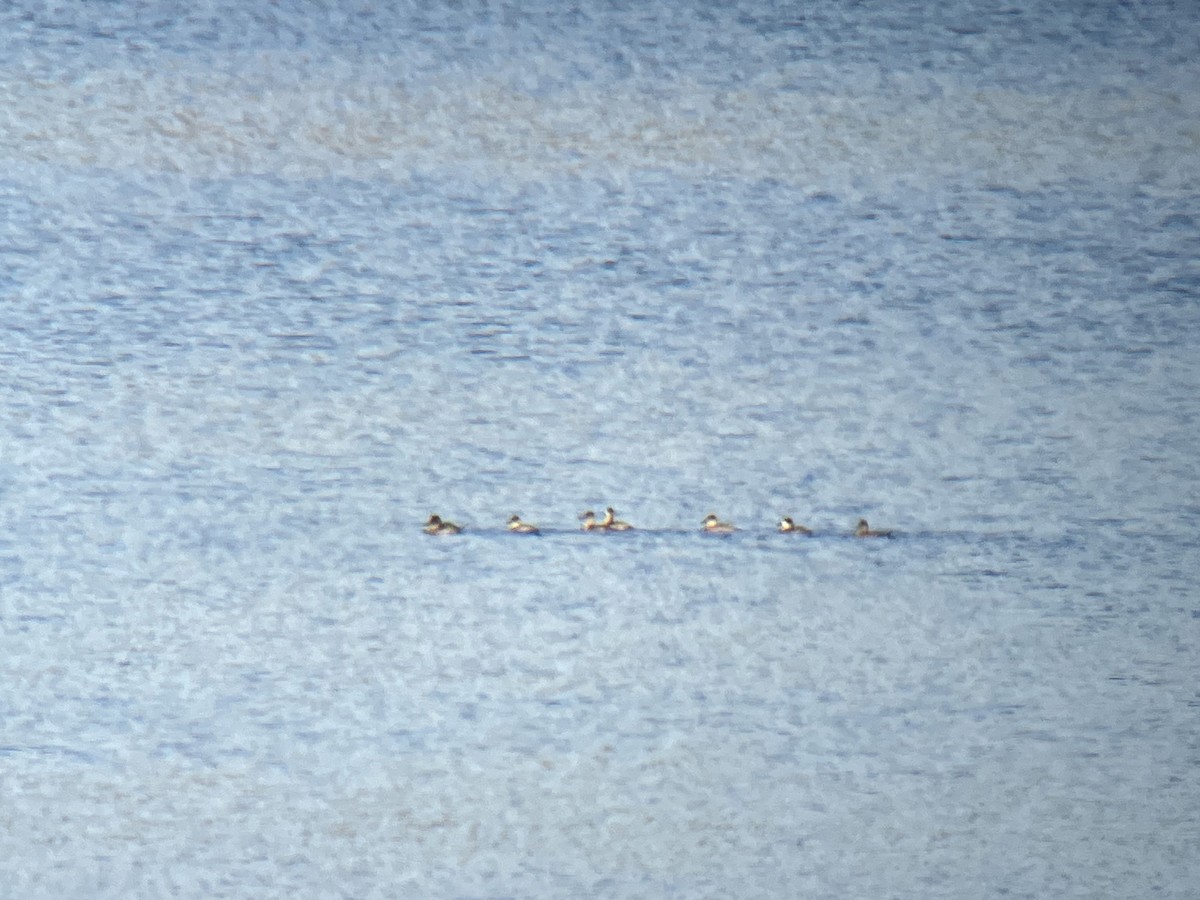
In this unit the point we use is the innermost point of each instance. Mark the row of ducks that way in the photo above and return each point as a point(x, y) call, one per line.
point(610, 522)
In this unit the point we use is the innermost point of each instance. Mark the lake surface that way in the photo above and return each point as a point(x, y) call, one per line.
point(281, 281)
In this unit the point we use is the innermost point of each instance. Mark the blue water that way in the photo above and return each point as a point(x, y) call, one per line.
point(280, 281)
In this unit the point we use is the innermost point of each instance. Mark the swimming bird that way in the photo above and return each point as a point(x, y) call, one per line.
point(612, 523)
point(435, 525)
point(713, 525)
point(589, 521)
point(862, 529)
point(516, 525)
point(787, 525)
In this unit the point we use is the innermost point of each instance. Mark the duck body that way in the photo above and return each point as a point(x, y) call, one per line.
point(516, 526)
point(863, 530)
point(787, 526)
point(610, 522)
point(589, 521)
point(436, 525)
point(713, 525)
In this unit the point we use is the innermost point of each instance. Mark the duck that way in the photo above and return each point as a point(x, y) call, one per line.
point(435, 525)
point(517, 526)
point(589, 521)
point(863, 530)
point(786, 525)
point(612, 523)
point(713, 525)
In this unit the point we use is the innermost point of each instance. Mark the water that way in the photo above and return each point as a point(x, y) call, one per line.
point(280, 282)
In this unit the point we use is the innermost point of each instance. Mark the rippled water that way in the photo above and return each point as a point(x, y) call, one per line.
point(280, 282)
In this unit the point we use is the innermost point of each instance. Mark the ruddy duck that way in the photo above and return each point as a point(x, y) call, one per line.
point(713, 525)
point(516, 525)
point(589, 521)
point(612, 523)
point(787, 525)
point(435, 525)
point(862, 529)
